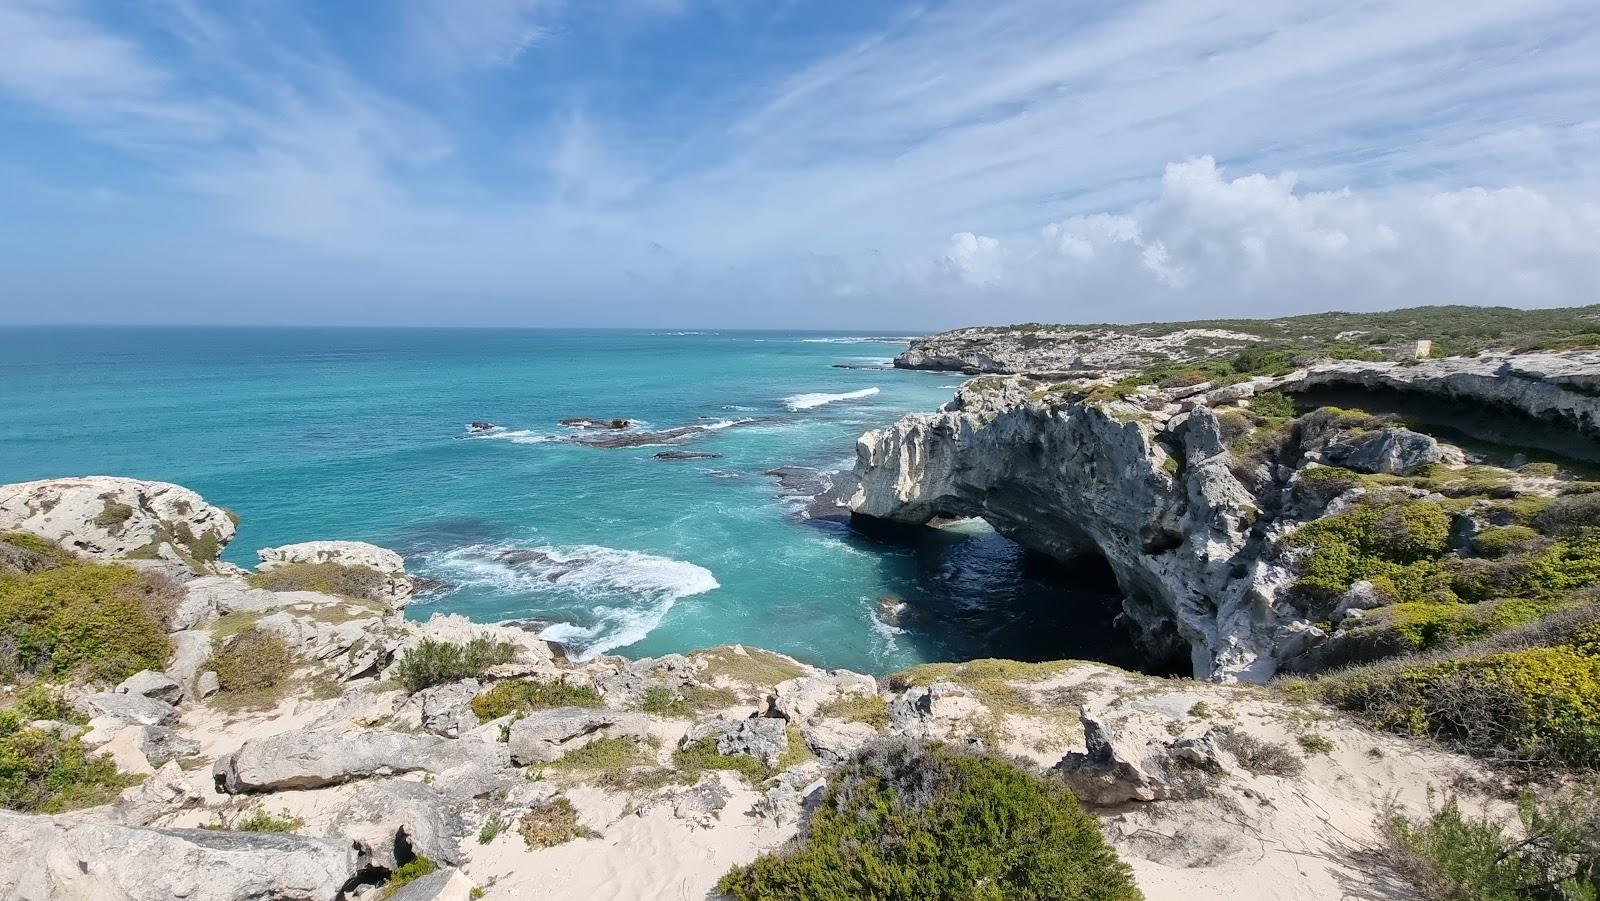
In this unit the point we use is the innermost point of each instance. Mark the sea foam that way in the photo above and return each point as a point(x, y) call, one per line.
point(629, 592)
point(808, 401)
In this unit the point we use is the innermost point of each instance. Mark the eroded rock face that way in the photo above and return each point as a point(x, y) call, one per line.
point(1072, 480)
point(546, 735)
point(106, 517)
point(56, 859)
point(1130, 759)
point(1062, 349)
point(764, 738)
point(397, 586)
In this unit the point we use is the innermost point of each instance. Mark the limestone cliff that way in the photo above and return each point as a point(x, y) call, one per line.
point(1156, 480)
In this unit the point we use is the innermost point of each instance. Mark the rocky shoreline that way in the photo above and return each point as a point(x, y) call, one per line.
point(370, 775)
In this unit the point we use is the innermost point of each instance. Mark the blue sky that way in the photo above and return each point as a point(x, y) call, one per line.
point(789, 163)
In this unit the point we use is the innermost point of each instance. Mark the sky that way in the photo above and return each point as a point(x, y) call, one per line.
point(791, 164)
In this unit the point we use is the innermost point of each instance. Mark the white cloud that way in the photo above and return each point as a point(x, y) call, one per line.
point(478, 34)
point(1255, 244)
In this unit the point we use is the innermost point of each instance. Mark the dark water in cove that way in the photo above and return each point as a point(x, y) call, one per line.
point(359, 434)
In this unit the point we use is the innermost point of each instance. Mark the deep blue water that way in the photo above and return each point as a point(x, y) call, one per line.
point(359, 434)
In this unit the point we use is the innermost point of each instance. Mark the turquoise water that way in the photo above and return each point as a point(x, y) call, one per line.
point(360, 434)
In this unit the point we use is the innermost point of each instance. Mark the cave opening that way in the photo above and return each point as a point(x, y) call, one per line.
point(1497, 433)
point(968, 592)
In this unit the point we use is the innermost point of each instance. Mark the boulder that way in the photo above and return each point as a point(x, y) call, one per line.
point(59, 859)
point(151, 684)
point(764, 738)
point(160, 744)
point(228, 594)
point(547, 735)
point(446, 709)
point(312, 759)
point(1394, 451)
point(166, 791)
point(836, 740)
point(934, 712)
point(207, 684)
point(442, 885)
point(798, 699)
point(1134, 759)
point(385, 816)
point(397, 586)
point(190, 652)
point(127, 708)
point(105, 518)
point(1360, 596)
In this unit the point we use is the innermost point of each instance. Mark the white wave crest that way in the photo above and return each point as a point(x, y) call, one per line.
point(863, 339)
point(630, 591)
point(518, 436)
point(808, 401)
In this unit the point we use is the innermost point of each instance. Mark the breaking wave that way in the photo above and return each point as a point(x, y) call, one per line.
point(616, 596)
point(808, 401)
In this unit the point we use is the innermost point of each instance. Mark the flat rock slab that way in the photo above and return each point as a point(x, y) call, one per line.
point(548, 735)
point(313, 759)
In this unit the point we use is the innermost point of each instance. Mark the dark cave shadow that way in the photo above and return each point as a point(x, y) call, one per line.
point(974, 593)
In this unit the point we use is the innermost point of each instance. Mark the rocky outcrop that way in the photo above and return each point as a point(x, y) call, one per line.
point(1160, 504)
point(107, 518)
point(1066, 350)
point(763, 738)
point(313, 759)
point(56, 859)
point(1559, 388)
point(547, 735)
point(396, 588)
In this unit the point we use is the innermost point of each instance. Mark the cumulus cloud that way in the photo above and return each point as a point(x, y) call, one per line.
point(1257, 243)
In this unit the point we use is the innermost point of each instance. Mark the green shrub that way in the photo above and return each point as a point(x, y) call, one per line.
point(85, 620)
point(262, 821)
point(869, 709)
point(21, 552)
point(753, 667)
point(493, 825)
point(112, 516)
point(553, 822)
point(1398, 541)
point(1452, 857)
point(43, 773)
point(1311, 743)
point(409, 872)
point(902, 822)
point(359, 582)
point(1272, 403)
point(253, 659)
point(1264, 758)
point(1498, 541)
point(1556, 568)
point(433, 663)
point(520, 697)
point(685, 700)
point(1319, 485)
point(1568, 514)
point(1537, 705)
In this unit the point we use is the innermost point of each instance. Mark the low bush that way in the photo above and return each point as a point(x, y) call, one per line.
point(359, 582)
point(1272, 403)
point(407, 873)
point(262, 821)
point(86, 620)
point(23, 553)
point(1450, 856)
point(685, 700)
point(1568, 514)
point(553, 822)
point(1534, 706)
point(1264, 758)
point(869, 709)
point(253, 659)
point(41, 772)
point(752, 666)
point(903, 821)
point(433, 663)
point(1398, 541)
point(1317, 486)
point(520, 697)
point(1498, 541)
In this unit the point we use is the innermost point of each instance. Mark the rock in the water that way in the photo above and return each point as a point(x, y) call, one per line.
point(764, 738)
point(547, 735)
point(57, 859)
point(313, 759)
point(106, 517)
point(397, 586)
point(150, 684)
point(687, 455)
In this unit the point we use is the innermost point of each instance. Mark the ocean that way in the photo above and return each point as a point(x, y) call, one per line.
point(362, 434)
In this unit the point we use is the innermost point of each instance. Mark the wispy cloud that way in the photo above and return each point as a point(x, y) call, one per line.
point(1442, 151)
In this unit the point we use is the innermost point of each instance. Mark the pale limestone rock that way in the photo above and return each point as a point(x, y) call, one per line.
point(167, 791)
point(311, 759)
point(764, 738)
point(127, 708)
point(397, 586)
point(798, 699)
point(59, 859)
point(1133, 758)
point(151, 684)
point(547, 735)
point(105, 517)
